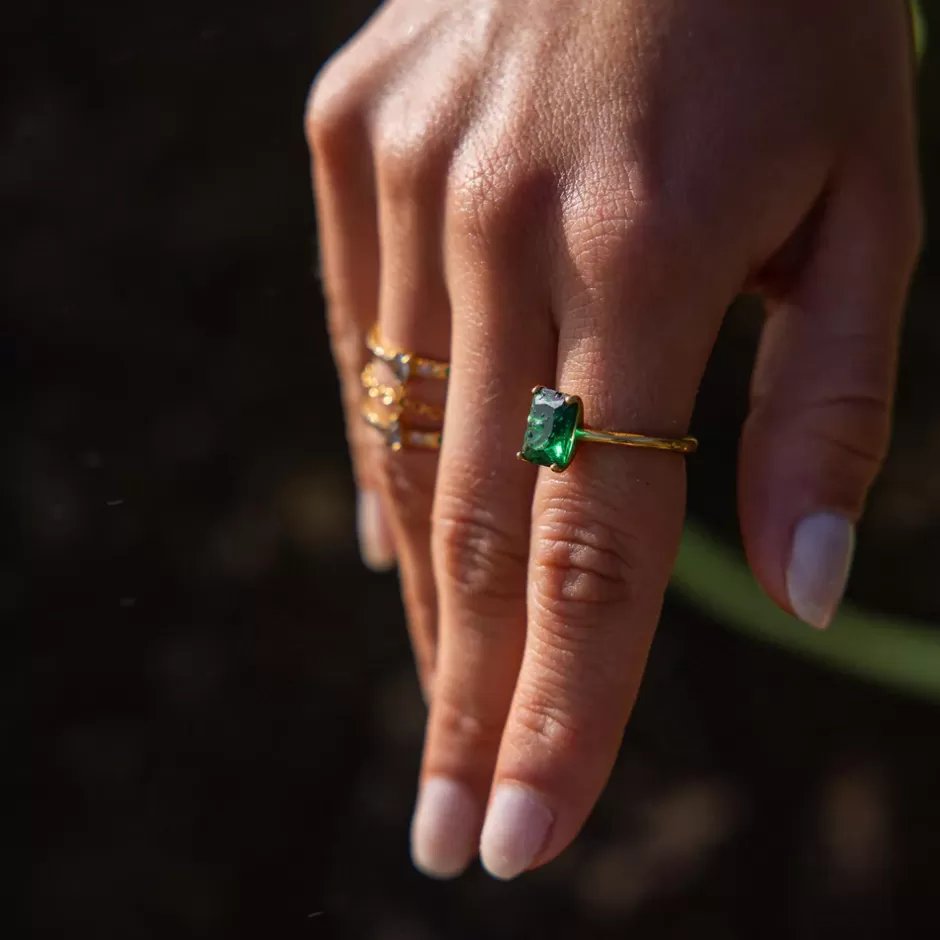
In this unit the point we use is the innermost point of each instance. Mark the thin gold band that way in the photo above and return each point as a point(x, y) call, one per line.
point(397, 437)
point(680, 445)
point(404, 364)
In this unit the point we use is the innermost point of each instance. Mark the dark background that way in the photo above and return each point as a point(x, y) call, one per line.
point(211, 712)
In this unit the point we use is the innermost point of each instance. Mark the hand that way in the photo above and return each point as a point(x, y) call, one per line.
point(571, 193)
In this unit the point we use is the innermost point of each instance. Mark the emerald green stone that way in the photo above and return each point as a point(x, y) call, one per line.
point(551, 429)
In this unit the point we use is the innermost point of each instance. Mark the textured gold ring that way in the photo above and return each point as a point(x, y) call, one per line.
point(405, 364)
point(394, 396)
point(555, 427)
point(398, 436)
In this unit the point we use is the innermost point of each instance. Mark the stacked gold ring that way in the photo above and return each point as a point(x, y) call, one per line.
point(405, 364)
point(394, 396)
point(392, 422)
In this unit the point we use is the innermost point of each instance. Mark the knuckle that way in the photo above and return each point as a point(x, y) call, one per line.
point(848, 430)
point(465, 730)
point(403, 167)
point(495, 195)
point(333, 111)
point(412, 146)
point(624, 233)
point(477, 557)
point(581, 560)
point(854, 429)
point(549, 726)
point(598, 248)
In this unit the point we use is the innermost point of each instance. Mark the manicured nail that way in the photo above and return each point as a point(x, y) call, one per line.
point(376, 545)
point(819, 566)
point(444, 829)
point(516, 829)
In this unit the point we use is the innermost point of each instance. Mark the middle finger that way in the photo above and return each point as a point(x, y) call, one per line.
point(502, 336)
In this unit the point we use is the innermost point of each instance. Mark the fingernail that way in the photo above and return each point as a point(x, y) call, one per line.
point(376, 545)
point(444, 828)
point(516, 829)
point(819, 566)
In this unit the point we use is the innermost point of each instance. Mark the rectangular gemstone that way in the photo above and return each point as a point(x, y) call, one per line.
point(550, 429)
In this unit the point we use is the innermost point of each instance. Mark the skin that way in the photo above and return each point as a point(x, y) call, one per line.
point(571, 193)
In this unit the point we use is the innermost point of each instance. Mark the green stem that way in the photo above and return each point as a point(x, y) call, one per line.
point(896, 652)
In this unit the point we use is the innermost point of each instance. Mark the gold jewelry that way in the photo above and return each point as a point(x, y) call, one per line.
point(394, 396)
point(405, 365)
point(555, 426)
point(398, 437)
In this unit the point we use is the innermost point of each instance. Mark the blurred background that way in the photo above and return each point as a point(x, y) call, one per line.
point(209, 704)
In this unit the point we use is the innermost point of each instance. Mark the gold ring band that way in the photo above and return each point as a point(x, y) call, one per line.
point(397, 436)
point(679, 445)
point(394, 396)
point(404, 364)
point(555, 427)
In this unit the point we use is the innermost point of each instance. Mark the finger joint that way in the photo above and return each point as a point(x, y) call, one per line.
point(582, 561)
point(478, 557)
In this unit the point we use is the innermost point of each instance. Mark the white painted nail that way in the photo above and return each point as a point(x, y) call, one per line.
point(516, 829)
point(376, 545)
point(444, 828)
point(820, 560)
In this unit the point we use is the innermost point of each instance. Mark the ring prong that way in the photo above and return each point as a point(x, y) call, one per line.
point(536, 389)
point(557, 468)
point(520, 457)
point(570, 400)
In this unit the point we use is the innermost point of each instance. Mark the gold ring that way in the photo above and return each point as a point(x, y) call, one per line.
point(405, 365)
point(398, 436)
point(394, 396)
point(555, 427)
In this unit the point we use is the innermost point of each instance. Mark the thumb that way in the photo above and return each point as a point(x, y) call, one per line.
point(822, 392)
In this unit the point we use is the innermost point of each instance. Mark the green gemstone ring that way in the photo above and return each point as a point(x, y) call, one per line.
point(556, 425)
